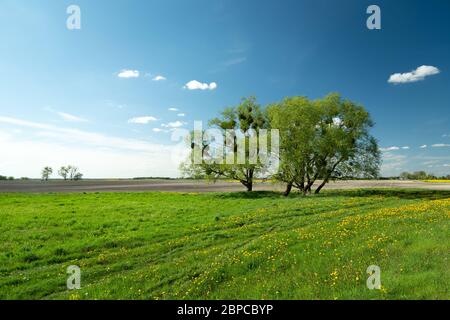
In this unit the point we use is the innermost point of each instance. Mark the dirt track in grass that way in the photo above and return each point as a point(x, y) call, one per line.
point(35, 186)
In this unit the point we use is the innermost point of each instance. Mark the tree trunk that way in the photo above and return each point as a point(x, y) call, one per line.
point(310, 183)
point(325, 180)
point(302, 186)
point(288, 189)
point(320, 187)
point(250, 180)
point(307, 189)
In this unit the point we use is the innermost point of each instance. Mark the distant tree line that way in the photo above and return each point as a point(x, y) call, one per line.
point(320, 140)
point(66, 172)
point(422, 175)
point(3, 178)
point(10, 178)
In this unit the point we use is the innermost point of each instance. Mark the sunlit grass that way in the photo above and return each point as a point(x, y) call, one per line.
point(225, 246)
point(437, 181)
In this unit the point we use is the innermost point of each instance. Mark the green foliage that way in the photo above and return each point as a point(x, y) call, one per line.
point(46, 173)
point(421, 175)
point(323, 139)
point(63, 172)
point(70, 173)
point(246, 118)
point(225, 245)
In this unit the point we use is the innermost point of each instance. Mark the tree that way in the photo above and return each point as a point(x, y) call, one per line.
point(46, 173)
point(420, 175)
point(70, 173)
point(323, 139)
point(64, 172)
point(236, 127)
point(74, 174)
point(404, 175)
point(295, 118)
point(417, 175)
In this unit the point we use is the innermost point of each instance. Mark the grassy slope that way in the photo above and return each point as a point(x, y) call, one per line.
point(216, 246)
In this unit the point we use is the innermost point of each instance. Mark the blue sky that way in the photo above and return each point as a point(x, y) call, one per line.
point(90, 96)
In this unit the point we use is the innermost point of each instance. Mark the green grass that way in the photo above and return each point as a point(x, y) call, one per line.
point(225, 246)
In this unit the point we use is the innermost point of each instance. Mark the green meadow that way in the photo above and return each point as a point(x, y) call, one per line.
point(257, 245)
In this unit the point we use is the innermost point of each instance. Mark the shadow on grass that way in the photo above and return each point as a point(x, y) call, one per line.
point(251, 195)
point(388, 192)
point(391, 192)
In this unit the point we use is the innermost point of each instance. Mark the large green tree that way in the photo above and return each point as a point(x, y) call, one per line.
point(237, 126)
point(322, 140)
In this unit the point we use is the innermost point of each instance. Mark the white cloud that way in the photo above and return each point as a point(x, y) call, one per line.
point(440, 145)
point(405, 148)
point(392, 163)
point(176, 124)
point(142, 120)
point(159, 78)
point(390, 149)
point(157, 130)
point(128, 74)
point(90, 151)
point(447, 165)
point(196, 85)
point(423, 146)
point(181, 114)
point(70, 117)
point(416, 75)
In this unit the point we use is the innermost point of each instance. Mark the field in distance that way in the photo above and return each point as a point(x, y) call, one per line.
point(180, 185)
point(225, 245)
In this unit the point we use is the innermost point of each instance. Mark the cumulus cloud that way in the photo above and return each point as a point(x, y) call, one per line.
point(196, 85)
point(423, 146)
point(126, 74)
point(440, 145)
point(142, 120)
point(181, 114)
point(416, 75)
point(159, 78)
point(393, 148)
point(175, 124)
point(157, 130)
point(173, 109)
